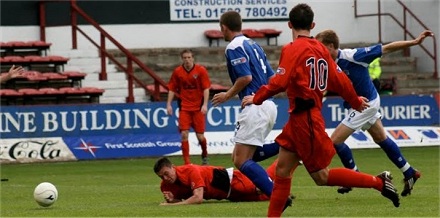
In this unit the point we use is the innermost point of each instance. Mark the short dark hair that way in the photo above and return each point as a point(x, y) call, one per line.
point(232, 20)
point(161, 163)
point(328, 37)
point(301, 17)
point(186, 51)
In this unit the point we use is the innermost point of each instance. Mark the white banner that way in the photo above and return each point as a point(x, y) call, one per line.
point(222, 142)
point(34, 150)
point(185, 10)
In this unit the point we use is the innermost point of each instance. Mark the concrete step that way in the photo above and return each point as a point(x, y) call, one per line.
point(118, 100)
point(418, 83)
point(113, 84)
point(115, 76)
point(416, 91)
point(123, 92)
point(75, 53)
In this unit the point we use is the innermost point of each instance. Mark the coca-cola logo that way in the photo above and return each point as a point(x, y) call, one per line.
point(33, 149)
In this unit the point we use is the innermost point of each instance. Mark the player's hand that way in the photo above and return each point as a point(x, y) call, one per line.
point(168, 196)
point(219, 98)
point(169, 110)
point(204, 109)
point(364, 104)
point(423, 35)
point(15, 71)
point(247, 100)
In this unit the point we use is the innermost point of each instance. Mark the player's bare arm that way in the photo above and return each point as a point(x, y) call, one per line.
point(397, 45)
point(196, 198)
point(169, 100)
point(239, 85)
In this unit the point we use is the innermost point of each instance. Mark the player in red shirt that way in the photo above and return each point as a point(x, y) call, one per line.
point(191, 82)
point(190, 184)
point(306, 70)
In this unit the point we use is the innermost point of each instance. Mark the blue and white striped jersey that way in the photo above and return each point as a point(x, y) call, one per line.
point(354, 62)
point(245, 57)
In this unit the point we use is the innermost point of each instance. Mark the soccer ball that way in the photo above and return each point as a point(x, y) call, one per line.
point(45, 194)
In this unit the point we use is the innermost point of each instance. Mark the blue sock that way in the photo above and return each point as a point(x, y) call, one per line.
point(258, 176)
point(394, 154)
point(344, 153)
point(265, 152)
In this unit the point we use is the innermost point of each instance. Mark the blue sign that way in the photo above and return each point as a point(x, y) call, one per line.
point(151, 118)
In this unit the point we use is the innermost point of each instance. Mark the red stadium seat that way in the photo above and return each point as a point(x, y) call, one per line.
point(7, 59)
point(51, 91)
point(72, 90)
point(55, 76)
point(213, 35)
point(93, 90)
point(9, 93)
point(30, 91)
point(252, 33)
point(271, 33)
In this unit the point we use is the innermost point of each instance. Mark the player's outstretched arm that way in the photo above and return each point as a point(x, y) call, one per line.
point(196, 198)
point(397, 45)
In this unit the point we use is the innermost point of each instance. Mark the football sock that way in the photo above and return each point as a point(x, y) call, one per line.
point(346, 156)
point(204, 148)
point(281, 191)
point(349, 178)
point(185, 152)
point(394, 154)
point(266, 151)
point(258, 176)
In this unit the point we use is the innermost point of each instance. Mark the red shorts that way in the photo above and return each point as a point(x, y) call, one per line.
point(194, 119)
point(305, 135)
point(242, 189)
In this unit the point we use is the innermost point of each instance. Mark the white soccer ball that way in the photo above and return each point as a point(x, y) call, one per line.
point(45, 194)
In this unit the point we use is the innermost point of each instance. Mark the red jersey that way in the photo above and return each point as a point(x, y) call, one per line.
point(190, 86)
point(190, 177)
point(305, 71)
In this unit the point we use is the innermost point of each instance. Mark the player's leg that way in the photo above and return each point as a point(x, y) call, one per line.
point(341, 133)
point(266, 151)
point(395, 155)
point(199, 128)
point(184, 126)
point(253, 125)
point(287, 162)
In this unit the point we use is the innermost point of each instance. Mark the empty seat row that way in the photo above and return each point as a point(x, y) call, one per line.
point(18, 44)
point(51, 91)
point(36, 75)
point(32, 58)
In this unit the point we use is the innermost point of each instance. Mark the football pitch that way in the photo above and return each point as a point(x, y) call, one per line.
point(129, 188)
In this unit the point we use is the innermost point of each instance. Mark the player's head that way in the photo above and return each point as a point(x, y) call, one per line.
point(187, 57)
point(165, 170)
point(301, 17)
point(230, 24)
point(331, 40)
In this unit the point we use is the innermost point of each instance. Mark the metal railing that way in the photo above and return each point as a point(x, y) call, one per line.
point(104, 54)
point(403, 25)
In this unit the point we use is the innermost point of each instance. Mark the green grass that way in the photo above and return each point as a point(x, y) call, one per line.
point(129, 188)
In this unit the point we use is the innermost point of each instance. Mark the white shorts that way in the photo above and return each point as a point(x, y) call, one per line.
point(365, 119)
point(255, 122)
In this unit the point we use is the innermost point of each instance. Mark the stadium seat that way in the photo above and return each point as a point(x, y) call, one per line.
point(271, 33)
point(55, 76)
point(30, 91)
point(73, 90)
point(9, 93)
point(252, 33)
point(213, 35)
point(51, 91)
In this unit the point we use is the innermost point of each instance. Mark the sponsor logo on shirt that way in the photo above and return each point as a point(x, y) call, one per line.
point(281, 70)
point(238, 61)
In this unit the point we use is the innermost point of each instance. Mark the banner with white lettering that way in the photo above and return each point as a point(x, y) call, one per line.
point(123, 146)
point(185, 10)
point(151, 118)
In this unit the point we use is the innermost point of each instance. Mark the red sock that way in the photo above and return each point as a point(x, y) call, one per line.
point(350, 178)
point(280, 193)
point(185, 152)
point(204, 148)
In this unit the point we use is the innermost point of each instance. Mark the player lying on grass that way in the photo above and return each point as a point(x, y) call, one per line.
point(190, 184)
